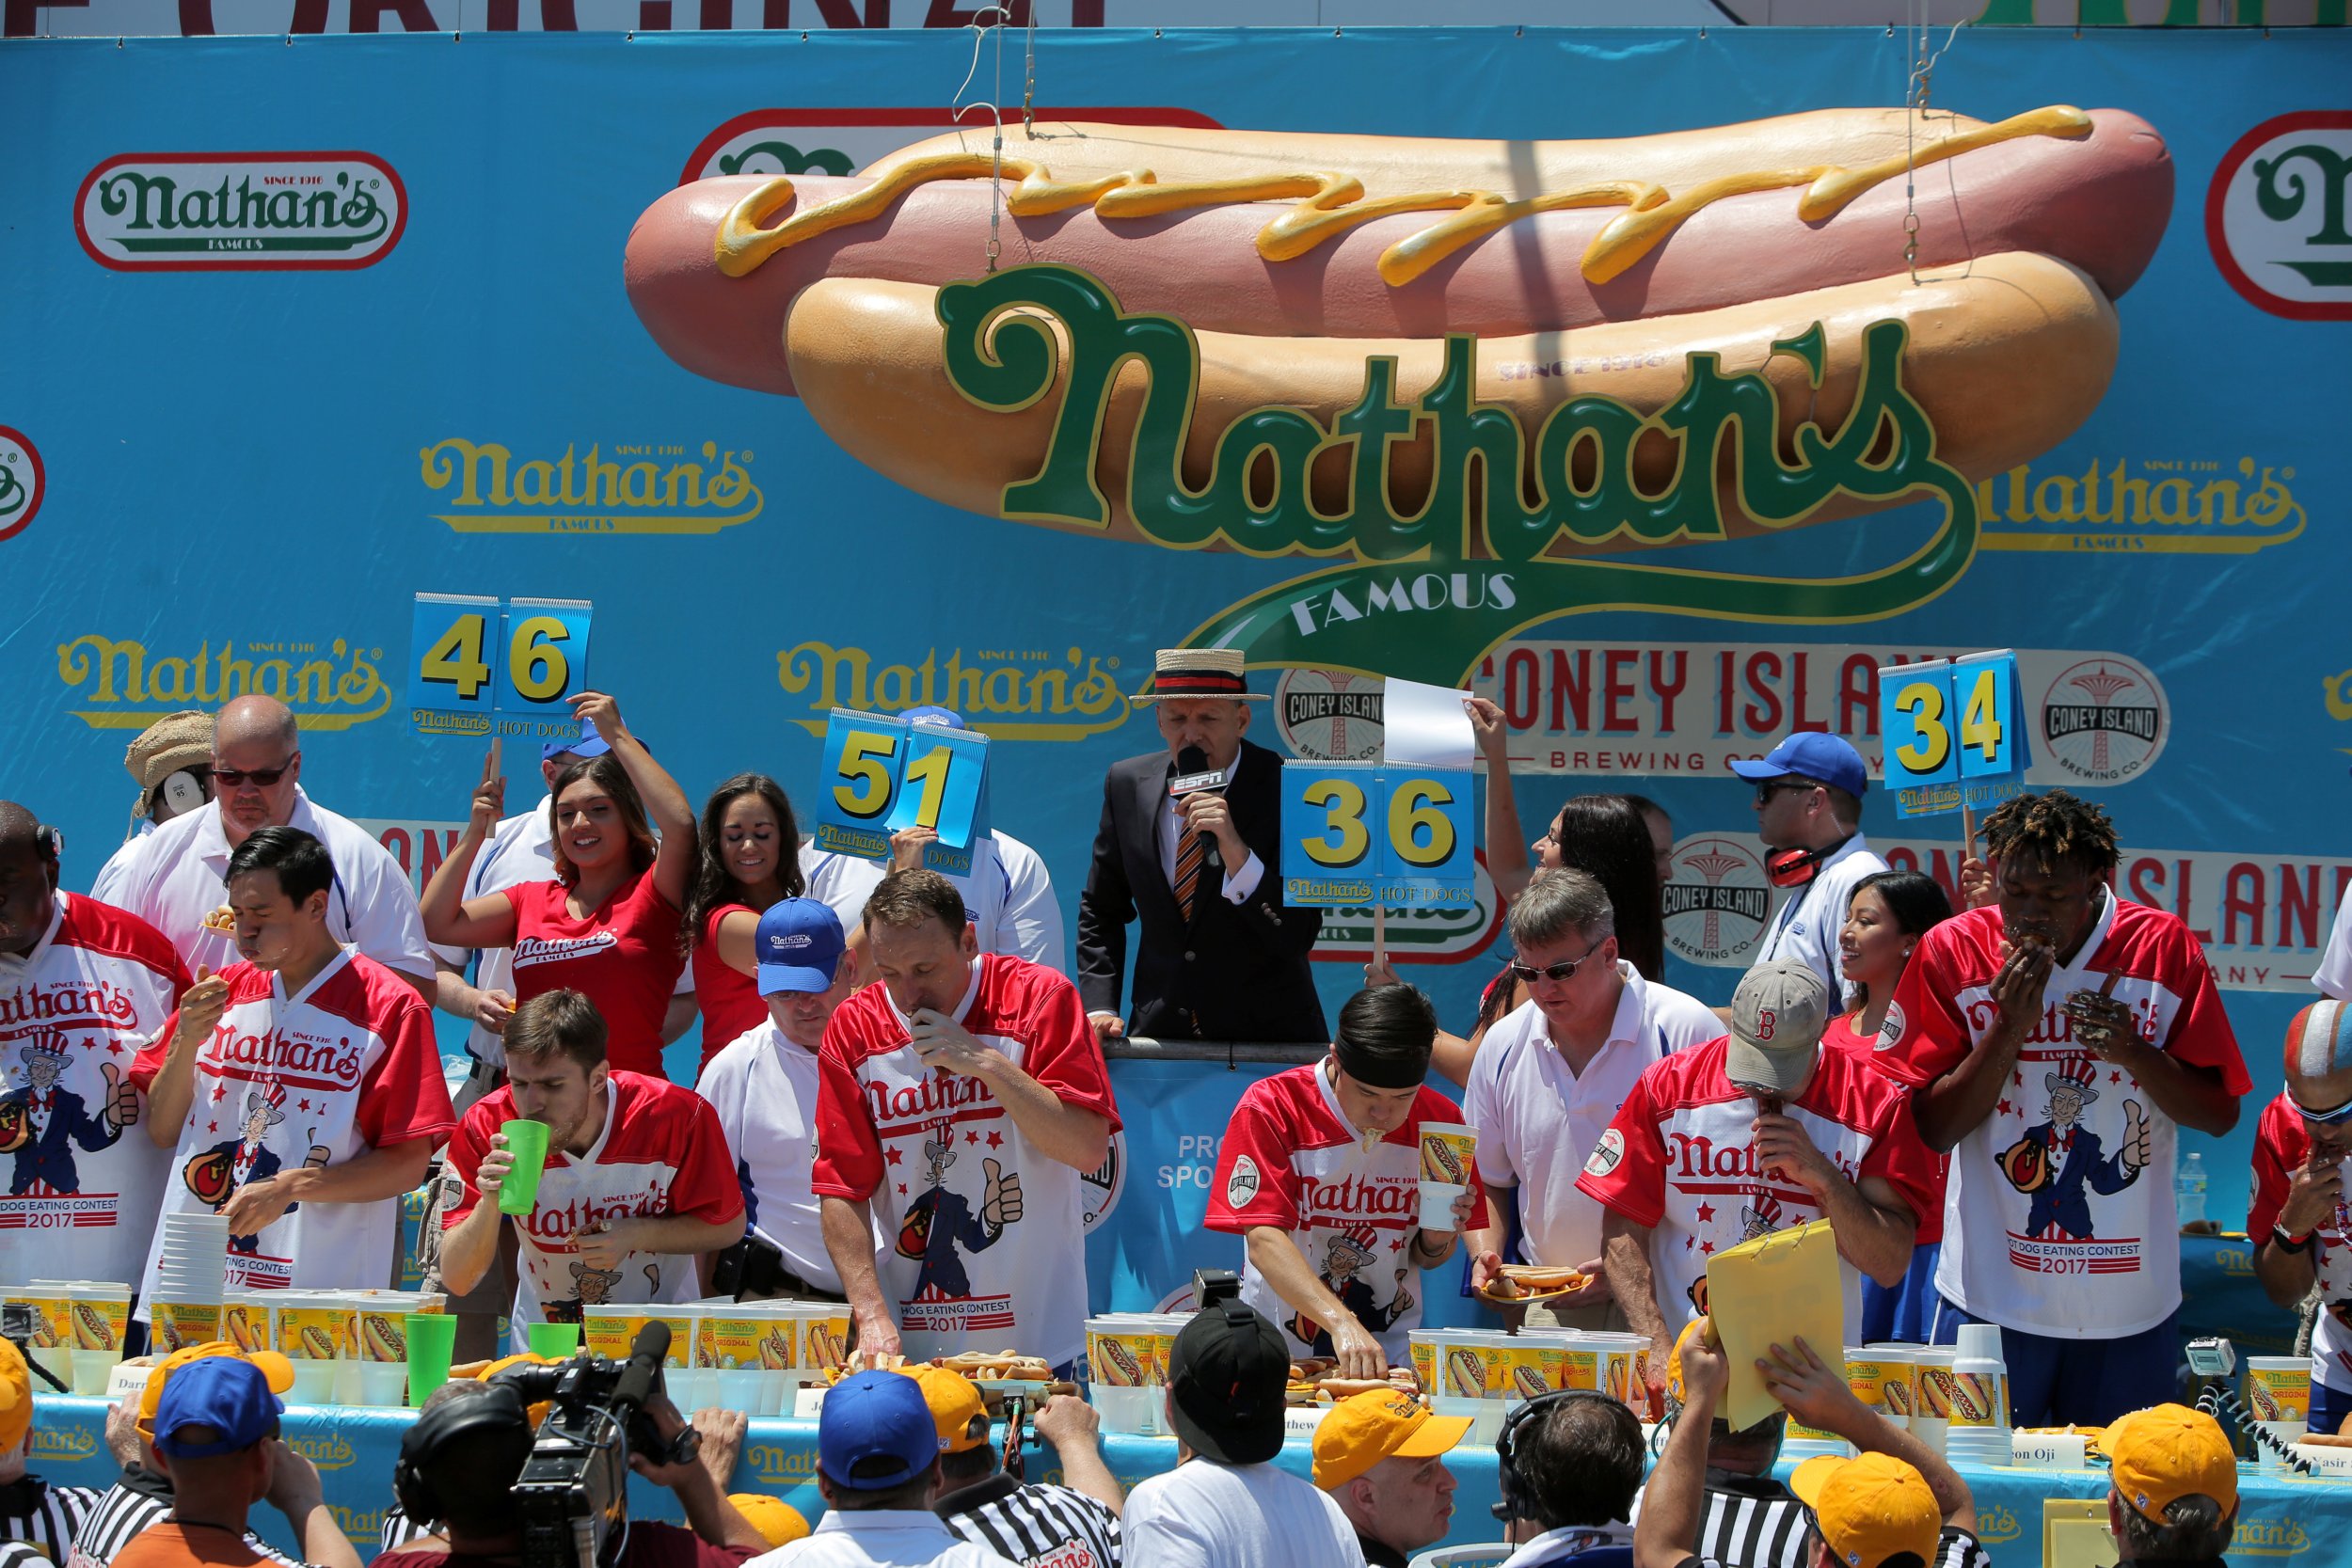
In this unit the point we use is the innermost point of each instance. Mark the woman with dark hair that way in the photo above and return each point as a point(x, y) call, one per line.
point(608, 924)
point(750, 858)
point(1886, 914)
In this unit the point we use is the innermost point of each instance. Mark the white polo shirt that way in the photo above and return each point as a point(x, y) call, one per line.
point(881, 1538)
point(764, 1088)
point(176, 882)
point(1007, 896)
point(1538, 1120)
point(1804, 928)
point(2334, 978)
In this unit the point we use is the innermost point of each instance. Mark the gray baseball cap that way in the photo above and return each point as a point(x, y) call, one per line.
point(1778, 1016)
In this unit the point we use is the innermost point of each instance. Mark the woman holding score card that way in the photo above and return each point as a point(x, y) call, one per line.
point(607, 925)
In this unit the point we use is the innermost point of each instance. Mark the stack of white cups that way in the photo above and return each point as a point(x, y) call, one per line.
point(1978, 1397)
point(189, 1280)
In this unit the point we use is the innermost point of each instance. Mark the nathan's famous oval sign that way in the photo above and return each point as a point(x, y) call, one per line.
point(240, 212)
point(1471, 377)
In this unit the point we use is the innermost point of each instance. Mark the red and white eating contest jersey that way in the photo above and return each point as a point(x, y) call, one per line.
point(2281, 1147)
point(319, 1078)
point(2047, 1197)
point(939, 1156)
point(1680, 1159)
point(662, 1151)
point(1290, 1159)
point(73, 1013)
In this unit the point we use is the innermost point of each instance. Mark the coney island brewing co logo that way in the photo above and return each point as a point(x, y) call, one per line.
point(240, 212)
point(20, 483)
point(2103, 720)
point(632, 488)
point(2276, 216)
point(1329, 715)
point(1716, 900)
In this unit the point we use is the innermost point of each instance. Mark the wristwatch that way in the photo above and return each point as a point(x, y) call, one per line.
point(2292, 1244)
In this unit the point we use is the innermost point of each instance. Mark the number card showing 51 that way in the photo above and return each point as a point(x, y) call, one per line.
point(1398, 838)
point(881, 776)
point(479, 666)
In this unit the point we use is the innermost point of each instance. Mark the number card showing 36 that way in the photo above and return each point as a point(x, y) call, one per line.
point(512, 666)
point(1399, 838)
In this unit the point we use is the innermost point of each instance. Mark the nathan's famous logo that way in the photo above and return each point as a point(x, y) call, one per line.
point(240, 212)
point(1715, 899)
point(64, 1442)
point(772, 1463)
point(1008, 694)
point(1435, 586)
point(2189, 506)
point(841, 141)
point(2102, 720)
point(330, 685)
point(1329, 715)
point(1996, 1525)
point(635, 488)
point(2279, 215)
point(2259, 1537)
point(21, 482)
point(331, 1452)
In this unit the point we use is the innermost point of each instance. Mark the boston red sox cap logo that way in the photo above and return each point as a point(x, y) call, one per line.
point(1767, 1022)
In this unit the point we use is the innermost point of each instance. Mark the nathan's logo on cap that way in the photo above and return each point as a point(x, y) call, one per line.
point(240, 212)
point(21, 482)
point(1330, 714)
point(784, 941)
point(629, 487)
point(2275, 215)
point(1715, 900)
point(2103, 720)
point(123, 685)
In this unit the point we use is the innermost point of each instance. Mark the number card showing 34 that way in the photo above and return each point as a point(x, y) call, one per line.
point(1396, 837)
point(1951, 733)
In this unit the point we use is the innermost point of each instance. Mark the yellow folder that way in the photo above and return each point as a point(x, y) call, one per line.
point(2074, 1533)
point(1775, 1290)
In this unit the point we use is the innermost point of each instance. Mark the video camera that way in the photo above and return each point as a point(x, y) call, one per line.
point(17, 1324)
point(573, 1494)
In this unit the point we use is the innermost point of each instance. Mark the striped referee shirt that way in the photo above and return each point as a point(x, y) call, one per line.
point(1755, 1522)
point(140, 1498)
point(44, 1517)
point(1037, 1527)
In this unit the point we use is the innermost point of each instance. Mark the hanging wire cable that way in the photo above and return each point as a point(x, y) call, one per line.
point(982, 21)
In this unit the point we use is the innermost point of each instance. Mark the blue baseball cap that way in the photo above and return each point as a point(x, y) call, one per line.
point(799, 946)
point(1815, 755)
point(224, 1392)
point(931, 713)
point(589, 744)
point(875, 1415)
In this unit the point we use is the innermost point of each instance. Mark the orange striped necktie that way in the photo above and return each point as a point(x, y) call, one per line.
point(1188, 857)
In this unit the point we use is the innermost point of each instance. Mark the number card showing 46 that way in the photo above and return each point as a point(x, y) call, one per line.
point(1398, 838)
point(509, 666)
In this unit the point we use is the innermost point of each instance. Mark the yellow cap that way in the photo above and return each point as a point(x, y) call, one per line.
point(16, 1396)
point(275, 1370)
point(776, 1520)
point(2157, 1456)
point(955, 1400)
point(1869, 1509)
point(1364, 1429)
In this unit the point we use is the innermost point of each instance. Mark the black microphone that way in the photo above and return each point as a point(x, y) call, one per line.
point(645, 1356)
point(1194, 776)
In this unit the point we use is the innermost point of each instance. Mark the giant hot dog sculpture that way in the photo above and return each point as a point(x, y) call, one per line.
point(1323, 275)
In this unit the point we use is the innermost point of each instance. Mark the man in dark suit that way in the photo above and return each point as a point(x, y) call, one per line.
point(1219, 957)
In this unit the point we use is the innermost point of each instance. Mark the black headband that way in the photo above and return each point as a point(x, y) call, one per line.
point(1377, 1071)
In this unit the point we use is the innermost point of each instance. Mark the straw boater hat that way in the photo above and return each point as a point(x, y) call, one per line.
point(174, 742)
point(1188, 673)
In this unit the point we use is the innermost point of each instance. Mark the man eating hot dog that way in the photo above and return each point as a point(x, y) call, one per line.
point(1320, 1170)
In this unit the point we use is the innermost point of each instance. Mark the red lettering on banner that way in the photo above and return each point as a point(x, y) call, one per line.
point(1858, 696)
point(2236, 905)
point(1765, 719)
point(1665, 691)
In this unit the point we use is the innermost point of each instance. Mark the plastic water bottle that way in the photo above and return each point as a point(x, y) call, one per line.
point(2188, 1190)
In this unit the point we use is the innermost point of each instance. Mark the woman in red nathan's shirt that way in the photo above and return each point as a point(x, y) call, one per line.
point(750, 858)
point(608, 924)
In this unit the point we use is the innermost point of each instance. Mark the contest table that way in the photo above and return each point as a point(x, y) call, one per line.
point(2280, 1517)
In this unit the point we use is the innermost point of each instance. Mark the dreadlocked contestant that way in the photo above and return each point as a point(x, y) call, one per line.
point(2056, 1042)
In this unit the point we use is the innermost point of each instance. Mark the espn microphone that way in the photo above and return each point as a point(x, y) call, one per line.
point(1193, 776)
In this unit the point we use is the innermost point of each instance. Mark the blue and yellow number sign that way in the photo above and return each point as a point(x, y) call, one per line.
point(1951, 734)
point(480, 666)
point(879, 776)
point(1364, 834)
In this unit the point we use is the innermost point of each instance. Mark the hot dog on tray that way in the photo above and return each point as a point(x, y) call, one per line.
point(1583, 267)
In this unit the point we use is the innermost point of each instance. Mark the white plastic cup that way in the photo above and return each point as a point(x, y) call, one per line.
point(383, 1384)
point(1436, 1205)
point(691, 1388)
point(313, 1382)
point(1927, 1424)
point(1980, 1342)
point(740, 1388)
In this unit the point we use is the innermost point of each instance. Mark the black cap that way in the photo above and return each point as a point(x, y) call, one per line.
point(1227, 1378)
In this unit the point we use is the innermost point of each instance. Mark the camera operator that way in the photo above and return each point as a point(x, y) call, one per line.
point(459, 1464)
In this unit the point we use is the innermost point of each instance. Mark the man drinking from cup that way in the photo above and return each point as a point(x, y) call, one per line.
point(1321, 1170)
point(635, 1180)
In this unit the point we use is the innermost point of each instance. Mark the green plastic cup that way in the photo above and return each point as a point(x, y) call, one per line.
point(527, 1141)
point(555, 1341)
point(432, 1343)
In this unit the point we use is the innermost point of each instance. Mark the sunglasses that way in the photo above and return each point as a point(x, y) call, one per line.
point(233, 777)
point(1565, 969)
point(1764, 792)
point(2336, 1117)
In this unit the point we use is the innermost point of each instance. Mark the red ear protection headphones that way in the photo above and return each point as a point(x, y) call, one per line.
point(1796, 867)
